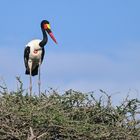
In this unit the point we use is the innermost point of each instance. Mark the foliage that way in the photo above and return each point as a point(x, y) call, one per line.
point(69, 116)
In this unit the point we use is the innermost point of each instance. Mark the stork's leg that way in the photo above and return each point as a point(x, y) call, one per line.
point(30, 84)
point(30, 67)
point(39, 81)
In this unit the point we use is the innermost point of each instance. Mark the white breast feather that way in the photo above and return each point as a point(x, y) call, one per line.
point(34, 45)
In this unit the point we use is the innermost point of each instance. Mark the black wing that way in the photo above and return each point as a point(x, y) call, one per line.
point(26, 56)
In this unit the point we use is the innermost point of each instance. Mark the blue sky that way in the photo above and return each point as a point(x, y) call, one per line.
point(98, 44)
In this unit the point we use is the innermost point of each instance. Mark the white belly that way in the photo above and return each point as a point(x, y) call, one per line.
point(35, 50)
point(35, 54)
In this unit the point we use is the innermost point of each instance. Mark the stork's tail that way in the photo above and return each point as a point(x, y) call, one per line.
point(34, 72)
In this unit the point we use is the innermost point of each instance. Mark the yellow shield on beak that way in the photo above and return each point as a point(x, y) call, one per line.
point(48, 25)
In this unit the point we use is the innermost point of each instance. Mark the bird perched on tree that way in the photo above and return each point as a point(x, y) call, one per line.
point(34, 53)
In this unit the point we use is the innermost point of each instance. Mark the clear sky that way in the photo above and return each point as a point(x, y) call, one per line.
point(98, 43)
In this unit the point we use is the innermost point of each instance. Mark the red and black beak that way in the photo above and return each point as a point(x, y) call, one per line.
point(52, 36)
point(48, 29)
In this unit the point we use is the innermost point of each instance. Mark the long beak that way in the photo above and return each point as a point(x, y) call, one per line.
point(52, 36)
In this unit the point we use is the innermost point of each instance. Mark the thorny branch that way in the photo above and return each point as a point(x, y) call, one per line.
point(72, 115)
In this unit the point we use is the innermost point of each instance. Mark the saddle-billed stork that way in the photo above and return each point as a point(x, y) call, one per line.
point(34, 53)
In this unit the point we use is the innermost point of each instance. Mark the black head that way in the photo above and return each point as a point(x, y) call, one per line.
point(45, 25)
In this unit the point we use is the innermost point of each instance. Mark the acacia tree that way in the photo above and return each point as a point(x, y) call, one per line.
point(68, 116)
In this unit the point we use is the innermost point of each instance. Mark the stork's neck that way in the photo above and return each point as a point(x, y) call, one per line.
point(45, 38)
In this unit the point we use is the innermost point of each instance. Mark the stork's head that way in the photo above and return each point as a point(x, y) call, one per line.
point(46, 26)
